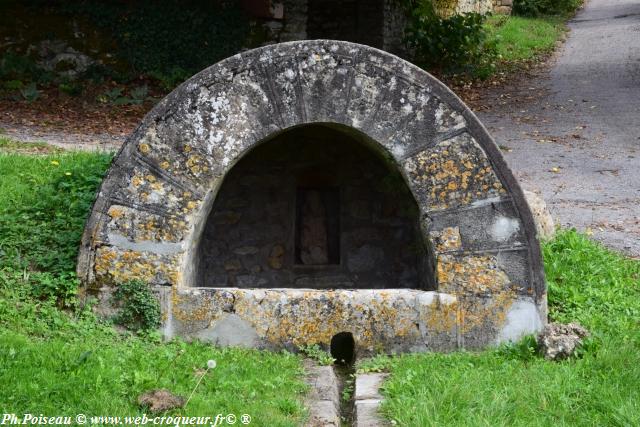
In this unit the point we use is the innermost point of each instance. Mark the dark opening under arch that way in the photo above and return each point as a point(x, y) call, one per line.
point(316, 206)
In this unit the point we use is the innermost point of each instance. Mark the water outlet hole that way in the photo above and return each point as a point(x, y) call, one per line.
point(343, 348)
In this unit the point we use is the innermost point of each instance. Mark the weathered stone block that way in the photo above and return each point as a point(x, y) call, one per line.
point(488, 224)
point(541, 215)
point(452, 174)
point(368, 386)
point(398, 320)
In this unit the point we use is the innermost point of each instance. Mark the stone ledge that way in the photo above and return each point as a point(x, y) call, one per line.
point(323, 400)
point(395, 319)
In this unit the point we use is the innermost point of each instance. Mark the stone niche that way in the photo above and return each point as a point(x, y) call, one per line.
point(314, 207)
point(318, 192)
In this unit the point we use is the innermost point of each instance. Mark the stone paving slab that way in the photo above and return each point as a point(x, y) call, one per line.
point(368, 386)
point(368, 399)
point(367, 414)
point(323, 400)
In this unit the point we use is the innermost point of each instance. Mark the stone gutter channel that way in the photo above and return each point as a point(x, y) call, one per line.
point(326, 406)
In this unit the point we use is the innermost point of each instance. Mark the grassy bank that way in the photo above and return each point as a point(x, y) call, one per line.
point(59, 364)
point(56, 362)
point(513, 385)
point(519, 39)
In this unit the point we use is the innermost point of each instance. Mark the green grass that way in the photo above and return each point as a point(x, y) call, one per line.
point(44, 201)
point(521, 39)
point(593, 285)
point(55, 361)
point(512, 385)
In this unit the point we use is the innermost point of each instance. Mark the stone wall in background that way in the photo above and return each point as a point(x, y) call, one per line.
point(394, 24)
point(352, 20)
point(478, 6)
point(451, 7)
point(376, 23)
point(503, 6)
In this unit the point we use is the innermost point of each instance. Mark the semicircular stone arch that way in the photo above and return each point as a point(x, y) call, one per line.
point(483, 255)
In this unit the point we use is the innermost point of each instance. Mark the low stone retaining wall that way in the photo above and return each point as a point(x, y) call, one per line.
point(391, 319)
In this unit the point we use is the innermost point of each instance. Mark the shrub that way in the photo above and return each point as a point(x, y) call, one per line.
point(167, 39)
point(455, 44)
point(535, 8)
point(62, 289)
point(313, 351)
point(70, 88)
point(138, 308)
point(58, 289)
point(14, 66)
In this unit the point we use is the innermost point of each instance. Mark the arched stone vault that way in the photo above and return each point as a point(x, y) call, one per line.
point(153, 204)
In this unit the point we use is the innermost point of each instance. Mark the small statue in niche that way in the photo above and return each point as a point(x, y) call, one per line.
point(314, 245)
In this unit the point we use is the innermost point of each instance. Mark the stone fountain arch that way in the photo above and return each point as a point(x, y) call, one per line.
point(152, 207)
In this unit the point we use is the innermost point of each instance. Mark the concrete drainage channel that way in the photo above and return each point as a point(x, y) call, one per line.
point(338, 396)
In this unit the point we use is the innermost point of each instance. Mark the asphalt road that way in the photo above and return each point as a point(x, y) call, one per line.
point(573, 134)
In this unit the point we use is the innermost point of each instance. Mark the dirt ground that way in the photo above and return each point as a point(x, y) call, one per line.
point(68, 121)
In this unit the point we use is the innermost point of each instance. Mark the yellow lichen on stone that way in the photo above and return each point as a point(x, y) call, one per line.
point(471, 274)
point(441, 317)
point(476, 313)
point(114, 265)
point(302, 317)
point(195, 311)
point(115, 212)
point(196, 165)
point(136, 180)
point(453, 173)
point(104, 260)
point(446, 240)
point(139, 226)
point(485, 291)
point(315, 317)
